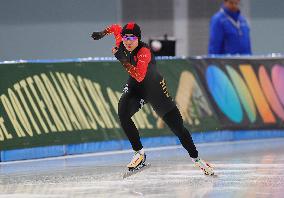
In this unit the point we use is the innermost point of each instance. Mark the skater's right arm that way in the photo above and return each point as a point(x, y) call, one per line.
point(114, 29)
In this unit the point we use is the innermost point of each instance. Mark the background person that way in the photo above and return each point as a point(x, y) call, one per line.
point(229, 31)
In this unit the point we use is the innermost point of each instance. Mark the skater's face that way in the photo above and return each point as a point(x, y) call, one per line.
point(232, 5)
point(130, 41)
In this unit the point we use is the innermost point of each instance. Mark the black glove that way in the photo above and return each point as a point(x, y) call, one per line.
point(120, 55)
point(98, 35)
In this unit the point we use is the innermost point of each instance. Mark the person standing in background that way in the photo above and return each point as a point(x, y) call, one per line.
point(229, 31)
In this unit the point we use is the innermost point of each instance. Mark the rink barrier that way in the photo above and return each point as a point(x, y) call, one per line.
point(88, 59)
point(211, 93)
point(61, 103)
point(73, 149)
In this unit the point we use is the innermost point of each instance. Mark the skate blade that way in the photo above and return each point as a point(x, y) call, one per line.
point(212, 175)
point(209, 174)
point(134, 171)
point(209, 171)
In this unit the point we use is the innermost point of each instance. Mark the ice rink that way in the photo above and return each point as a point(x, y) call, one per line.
point(243, 169)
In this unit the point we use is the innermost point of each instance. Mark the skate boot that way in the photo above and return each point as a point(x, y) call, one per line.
point(138, 160)
point(137, 164)
point(204, 166)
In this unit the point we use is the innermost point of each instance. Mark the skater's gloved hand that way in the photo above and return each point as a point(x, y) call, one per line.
point(98, 35)
point(114, 50)
point(120, 54)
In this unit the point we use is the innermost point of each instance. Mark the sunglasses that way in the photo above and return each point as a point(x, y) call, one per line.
point(129, 38)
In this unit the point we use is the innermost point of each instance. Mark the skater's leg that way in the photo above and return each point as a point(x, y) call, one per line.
point(128, 105)
point(174, 120)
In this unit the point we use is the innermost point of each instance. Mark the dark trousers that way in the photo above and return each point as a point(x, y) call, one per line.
point(129, 105)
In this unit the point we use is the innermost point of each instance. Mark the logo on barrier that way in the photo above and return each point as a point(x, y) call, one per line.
point(247, 90)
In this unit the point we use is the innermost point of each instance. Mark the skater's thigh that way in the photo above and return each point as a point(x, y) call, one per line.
point(128, 104)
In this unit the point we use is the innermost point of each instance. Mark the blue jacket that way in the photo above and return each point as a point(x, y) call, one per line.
point(225, 36)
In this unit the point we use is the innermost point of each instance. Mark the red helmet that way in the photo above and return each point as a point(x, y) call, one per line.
point(131, 28)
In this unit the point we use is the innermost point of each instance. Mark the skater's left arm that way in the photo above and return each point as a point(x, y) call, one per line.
point(138, 72)
point(114, 29)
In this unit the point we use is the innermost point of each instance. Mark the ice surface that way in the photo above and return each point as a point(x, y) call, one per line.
point(243, 169)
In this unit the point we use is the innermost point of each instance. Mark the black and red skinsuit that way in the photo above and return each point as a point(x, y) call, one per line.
point(146, 85)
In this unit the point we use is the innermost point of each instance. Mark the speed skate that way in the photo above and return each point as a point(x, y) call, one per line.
point(204, 166)
point(135, 170)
